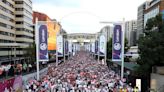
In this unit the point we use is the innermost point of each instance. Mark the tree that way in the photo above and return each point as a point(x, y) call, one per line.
point(151, 46)
point(31, 52)
point(151, 49)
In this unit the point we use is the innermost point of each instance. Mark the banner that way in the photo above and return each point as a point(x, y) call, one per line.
point(17, 86)
point(70, 47)
point(66, 47)
point(96, 47)
point(117, 41)
point(60, 45)
point(93, 47)
point(14, 83)
point(42, 42)
point(102, 45)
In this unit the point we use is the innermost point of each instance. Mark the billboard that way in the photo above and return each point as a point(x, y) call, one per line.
point(53, 29)
point(60, 45)
point(42, 42)
point(117, 41)
point(102, 43)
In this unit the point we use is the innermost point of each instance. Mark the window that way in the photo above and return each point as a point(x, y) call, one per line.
point(7, 3)
point(6, 18)
point(6, 41)
point(23, 42)
point(6, 10)
point(23, 29)
point(24, 36)
point(19, 9)
point(6, 25)
point(7, 33)
point(19, 15)
point(18, 2)
point(19, 22)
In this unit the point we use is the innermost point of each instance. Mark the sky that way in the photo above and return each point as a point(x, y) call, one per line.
point(85, 16)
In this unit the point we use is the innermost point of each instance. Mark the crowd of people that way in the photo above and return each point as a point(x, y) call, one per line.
point(80, 73)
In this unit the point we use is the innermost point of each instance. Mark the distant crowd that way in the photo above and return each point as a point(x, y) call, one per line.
point(81, 73)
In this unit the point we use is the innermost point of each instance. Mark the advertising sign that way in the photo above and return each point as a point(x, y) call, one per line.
point(43, 42)
point(93, 47)
point(96, 47)
point(66, 47)
point(102, 45)
point(117, 41)
point(60, 45)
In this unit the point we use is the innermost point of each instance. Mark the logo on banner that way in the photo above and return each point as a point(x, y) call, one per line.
point(43, 41)
point(117, 40)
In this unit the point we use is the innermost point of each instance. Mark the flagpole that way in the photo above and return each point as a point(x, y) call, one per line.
point(37, 47)
point(64, 46)
point(56, 50)
point(123, 41)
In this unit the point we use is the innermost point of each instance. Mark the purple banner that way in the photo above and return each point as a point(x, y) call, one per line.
point(96, 47)
point(117, 41)
point(43, 40)
point(66, 47)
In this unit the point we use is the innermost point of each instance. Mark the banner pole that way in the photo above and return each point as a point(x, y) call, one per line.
point(98, 50)
point(37, 47)
point(56, 50)
point(123, 41)
point(64, 46)
point(105, 61)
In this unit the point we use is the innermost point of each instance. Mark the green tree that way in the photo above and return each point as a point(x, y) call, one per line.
point(151, 46)
point(31, 52)
point(151, 49)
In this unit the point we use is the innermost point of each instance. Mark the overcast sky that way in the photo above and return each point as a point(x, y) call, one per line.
point(84, 16)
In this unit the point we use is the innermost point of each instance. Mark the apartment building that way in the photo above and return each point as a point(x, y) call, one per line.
point(130, 32)
point(16, 28)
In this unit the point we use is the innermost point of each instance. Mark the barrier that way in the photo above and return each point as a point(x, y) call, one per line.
point(14, 83)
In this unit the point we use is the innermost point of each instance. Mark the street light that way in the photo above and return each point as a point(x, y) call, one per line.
point(123, 41)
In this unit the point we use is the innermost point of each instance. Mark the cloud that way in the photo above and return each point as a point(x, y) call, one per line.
point(84, 15)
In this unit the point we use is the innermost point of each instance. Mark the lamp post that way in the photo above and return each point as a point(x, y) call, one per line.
point(123, 41)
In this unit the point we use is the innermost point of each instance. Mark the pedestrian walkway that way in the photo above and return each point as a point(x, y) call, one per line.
point(81, 73)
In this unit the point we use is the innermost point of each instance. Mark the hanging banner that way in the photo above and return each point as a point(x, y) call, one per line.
point(74, 48)
point(117, 41)
point(66, 47)
point(42, 42)
point(96, 47)
point(60, 45)
point(93, 47)
point(70, 47)
point(102, 45)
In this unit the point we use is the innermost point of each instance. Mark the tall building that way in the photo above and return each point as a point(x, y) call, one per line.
point(130, 32)
point(152, 9)
point(140, 19)
point(16, 30)
point(23, 21)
